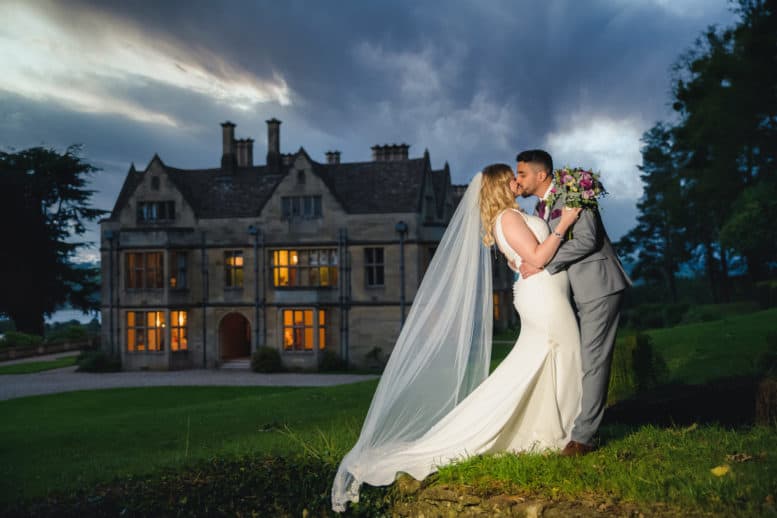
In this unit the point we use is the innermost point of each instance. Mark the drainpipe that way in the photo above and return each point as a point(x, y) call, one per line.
point(252, 230)
point(204, 269)
point(401, 228)
point(109, 235)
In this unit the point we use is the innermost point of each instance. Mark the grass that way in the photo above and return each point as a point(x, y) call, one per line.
point(671, 465)
point(29, 367)
point(698, 353)
point(75, 440)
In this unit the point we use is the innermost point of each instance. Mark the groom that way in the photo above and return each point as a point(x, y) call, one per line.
point(597, 280)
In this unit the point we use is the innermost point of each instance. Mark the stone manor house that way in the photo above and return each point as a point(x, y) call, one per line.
point(203, 266)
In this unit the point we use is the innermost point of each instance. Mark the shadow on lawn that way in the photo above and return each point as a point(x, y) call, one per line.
point(728, 402)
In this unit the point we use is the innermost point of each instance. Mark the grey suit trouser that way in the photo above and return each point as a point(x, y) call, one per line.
point(598, 324)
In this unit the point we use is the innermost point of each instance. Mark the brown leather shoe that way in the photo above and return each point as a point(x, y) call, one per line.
point(576, 449)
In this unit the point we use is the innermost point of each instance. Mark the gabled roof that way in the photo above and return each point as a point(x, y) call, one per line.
point(360, 187)
point(375, 187)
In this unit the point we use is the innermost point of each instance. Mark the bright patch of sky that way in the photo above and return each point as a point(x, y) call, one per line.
point(79, 65)
point(608, 146)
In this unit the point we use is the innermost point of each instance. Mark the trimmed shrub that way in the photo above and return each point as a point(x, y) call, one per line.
point(266, 359)
point(19, 339)
point(331, 361)
point(97, 361)
point(636, 367)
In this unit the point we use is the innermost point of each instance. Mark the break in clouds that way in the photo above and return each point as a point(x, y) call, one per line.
point(473, 82)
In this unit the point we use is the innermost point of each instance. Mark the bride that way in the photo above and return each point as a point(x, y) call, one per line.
point(435, 402)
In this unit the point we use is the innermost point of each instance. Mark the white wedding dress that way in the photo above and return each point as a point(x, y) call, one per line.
point(528, 404)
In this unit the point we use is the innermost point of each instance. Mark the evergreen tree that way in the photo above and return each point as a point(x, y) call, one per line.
point(43, 204)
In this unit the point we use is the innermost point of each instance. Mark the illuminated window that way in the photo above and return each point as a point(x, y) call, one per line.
point(304, 268)
point(178, 269)
point(496, 306)
point(145, 331)
point(233, 269)
point(179, 337)
point(298, 329)
point(373, 262)
point(143, 270)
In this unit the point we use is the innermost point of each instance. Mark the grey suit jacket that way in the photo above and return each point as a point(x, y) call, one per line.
point(589, 257)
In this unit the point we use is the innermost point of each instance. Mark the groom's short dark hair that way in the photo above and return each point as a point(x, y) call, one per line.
point(536, 156)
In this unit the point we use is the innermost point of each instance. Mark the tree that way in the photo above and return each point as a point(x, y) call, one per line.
point(43, 204)
point(659, 239)
point(726, 139)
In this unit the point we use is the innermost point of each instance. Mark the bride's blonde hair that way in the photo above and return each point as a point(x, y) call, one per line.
point(495, 196)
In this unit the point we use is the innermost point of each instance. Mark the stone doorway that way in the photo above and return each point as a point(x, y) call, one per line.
point(234, 337)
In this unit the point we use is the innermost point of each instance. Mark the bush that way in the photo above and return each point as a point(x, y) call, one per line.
point(766, 294)
point(71, 332)
point(331, 361)
point(266, 359)
point(636, 367)
point(19, 339)
point(767, 362)
point(654, 316)
point(97, 361)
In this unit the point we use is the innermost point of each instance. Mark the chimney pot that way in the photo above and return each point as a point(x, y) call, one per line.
point(274, 144)
point(228, 158)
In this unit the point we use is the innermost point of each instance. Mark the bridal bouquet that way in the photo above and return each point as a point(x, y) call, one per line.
point(581, 187)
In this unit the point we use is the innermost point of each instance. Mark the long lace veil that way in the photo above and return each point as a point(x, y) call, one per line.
point(442, 353)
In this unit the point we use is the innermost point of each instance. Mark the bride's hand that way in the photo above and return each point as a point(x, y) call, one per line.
point(570, 214)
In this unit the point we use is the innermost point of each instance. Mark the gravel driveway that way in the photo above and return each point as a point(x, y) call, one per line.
point(67, 379)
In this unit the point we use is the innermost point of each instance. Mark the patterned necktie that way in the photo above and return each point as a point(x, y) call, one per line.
point(541, 209)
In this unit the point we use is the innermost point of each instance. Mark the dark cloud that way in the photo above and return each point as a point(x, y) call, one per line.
point(472, 81)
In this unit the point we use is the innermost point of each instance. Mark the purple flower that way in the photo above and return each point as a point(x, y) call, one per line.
point(588, 194)
point(586, 182)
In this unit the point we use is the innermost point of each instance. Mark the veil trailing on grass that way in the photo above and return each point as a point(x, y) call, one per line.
point(443, 352)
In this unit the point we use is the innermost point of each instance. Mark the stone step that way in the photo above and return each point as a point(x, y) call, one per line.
point(238, 364)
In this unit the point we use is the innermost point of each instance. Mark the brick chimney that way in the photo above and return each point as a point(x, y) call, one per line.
point(274, 144)
point(228, 155)
point(332, 157)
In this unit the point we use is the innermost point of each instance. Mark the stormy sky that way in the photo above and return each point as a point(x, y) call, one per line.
point(474, 82)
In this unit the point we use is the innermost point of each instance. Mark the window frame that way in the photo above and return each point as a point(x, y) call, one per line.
point(234, 274)
point(141, 328)
point(304, 263)
point(137, 275)
point(374, 269)
point(179, 330)
point(299, 329)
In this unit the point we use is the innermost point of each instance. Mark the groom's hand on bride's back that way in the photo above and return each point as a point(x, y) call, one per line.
point(527, 270)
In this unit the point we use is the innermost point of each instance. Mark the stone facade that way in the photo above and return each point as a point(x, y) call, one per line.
point(203, 266)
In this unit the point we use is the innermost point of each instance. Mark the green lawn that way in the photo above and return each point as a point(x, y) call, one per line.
point(73, 440)
point(28, 367)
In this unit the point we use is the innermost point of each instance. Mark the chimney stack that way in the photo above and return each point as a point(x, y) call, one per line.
point(274, 144)
point(390, 153)
point(240, 152)
point(228, 158)
point(332, 157)
point(245, 152)
point(249, 151)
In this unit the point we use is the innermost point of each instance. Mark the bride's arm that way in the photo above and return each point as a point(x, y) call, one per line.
point(521, 239)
